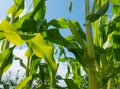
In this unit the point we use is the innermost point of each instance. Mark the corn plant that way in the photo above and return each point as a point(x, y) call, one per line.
point(96, 50)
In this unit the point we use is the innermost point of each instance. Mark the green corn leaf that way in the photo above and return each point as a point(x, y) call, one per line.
point(116, 9)
point(75, 32)
point(5, 26)
point(29, 25)
point(54, 35)
point(23, 83)
point(18, 24)
point(38, 9)
point(116, 2)
point(21, 62)
point(60, 23)
point(103, 9)
point(28, 52)
point(17, 8)
point(6, 59)
point(34, 64)
point(3, 45)
point(93, 17)
point(10, 33)
point(97, 32)
point(42, 50)
point(14, 38)
point(100, 12)
point(26, 37)
point(1, 36)
point(70, 84)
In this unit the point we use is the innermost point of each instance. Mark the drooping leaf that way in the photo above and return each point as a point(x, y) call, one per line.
point(17, 8)
point(100, 12)
point(60, 23)
point(13, 37)
point(10, 33)
point(54, 35)
point(42, 50)
point(23, 83)
point(5, 26)
point(70, 6)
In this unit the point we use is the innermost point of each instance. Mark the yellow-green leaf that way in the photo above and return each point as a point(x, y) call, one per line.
point(13, 37)
point(41, 49)
point(6, 26)
point(10, 33)
point(23, 83)
point(17, 8)
point(116, 2)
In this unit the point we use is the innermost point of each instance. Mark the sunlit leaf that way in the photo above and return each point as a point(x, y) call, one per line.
point(10, 33)
point(17, 8)
point(42, 50)
point(23, 83)
point(116, 2)
point(7, 27)
point(13, 37)
point(1, 36)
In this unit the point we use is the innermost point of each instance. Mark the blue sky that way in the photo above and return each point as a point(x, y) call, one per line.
point(55, 9)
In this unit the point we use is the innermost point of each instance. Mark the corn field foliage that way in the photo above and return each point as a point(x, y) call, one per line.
point(96, 50)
